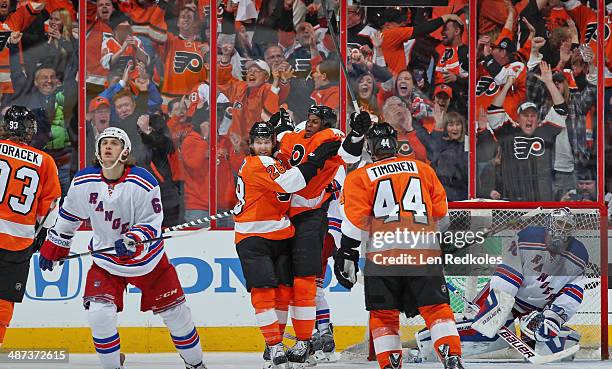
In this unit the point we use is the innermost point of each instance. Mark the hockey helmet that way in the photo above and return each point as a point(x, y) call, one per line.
point(262, 130)
point(118, 133)
point(328, 116)
point(560, 226)
point(381, 140)
point(19, 123)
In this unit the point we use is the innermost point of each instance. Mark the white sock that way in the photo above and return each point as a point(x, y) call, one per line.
point(323, 313)
point(183, 333)
point(103, 321)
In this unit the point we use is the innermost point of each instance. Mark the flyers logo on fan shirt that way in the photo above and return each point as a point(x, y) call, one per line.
point(590, 32)
point(187, 60)
point(486, 86)
point(448, 54)
point(404, 148)
point(525, 146)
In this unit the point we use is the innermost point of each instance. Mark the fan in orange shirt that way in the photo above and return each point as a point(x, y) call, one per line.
point(30, 189)
point(263, 230)
point(395, 35)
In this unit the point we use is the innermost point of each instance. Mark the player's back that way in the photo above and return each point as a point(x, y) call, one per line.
point(29, 184)
point(394, 193)
point(262, 208)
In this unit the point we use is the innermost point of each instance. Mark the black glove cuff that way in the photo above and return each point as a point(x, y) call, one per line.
point(308, 170)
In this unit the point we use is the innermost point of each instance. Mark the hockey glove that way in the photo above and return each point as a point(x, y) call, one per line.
point(360, 123)
point(322, 153)
point(545, 325)
point(53, 248)
point(128, 247)
point(345, 266)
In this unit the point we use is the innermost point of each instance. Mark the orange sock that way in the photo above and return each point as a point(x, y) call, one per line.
point(6, 314)
point(303, 308)
point(384, 326)
point(264, 300)
point(283, 297)
point(441, 324)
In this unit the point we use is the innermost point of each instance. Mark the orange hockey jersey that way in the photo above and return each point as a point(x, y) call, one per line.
point(393, 48)
point(18, 20)
point(149, 21)
point(393, 194)
point(264, 190)
point(489, 86)
point(249, 105)
point(97, 32)
point(29, 185)
point(184, 67)
point(448, 61)
point(295, 147)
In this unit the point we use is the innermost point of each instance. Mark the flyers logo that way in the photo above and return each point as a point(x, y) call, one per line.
point(448, 54)
point(525, 146)
point(296, 156)
point(486, 86)
point(186, 60)
point(283, 197)
point(404, 148)
point(590, 32)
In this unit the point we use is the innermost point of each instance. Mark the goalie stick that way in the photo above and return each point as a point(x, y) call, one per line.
point(518, 344)
point(177, 227)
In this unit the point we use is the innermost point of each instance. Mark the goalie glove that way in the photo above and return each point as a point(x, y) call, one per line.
point(494, 313)
point(345, 266)
point(545, 325)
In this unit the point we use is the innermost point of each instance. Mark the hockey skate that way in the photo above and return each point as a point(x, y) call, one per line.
point(324, 346)
point(449, 361)
point(266, 358)
point(197, 366)
point(301, 355)
point(278, 357)
point(395, 361)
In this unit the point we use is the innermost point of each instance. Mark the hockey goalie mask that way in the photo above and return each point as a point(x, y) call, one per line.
point(18, 123)
point(381, 141)
point(561, 224)
point(118, 133)
point(262, 130)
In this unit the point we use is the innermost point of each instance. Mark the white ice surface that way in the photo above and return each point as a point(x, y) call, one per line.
point(253, 361)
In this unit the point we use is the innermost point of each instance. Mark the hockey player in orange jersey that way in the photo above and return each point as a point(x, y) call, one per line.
point(391, 194)
point(263, 230)
point(308, 213)
point(30, 188)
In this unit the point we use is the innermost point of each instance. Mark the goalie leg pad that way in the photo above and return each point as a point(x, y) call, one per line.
point(566, 339)
point(103, 321)
point(384, 326)
point(440, 320)
point(494, 313)
point(183, 333)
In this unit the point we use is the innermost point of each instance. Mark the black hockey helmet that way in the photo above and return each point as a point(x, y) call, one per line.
point(18, 123)
point(328, 115)
point(262, 130)
point(381, 141)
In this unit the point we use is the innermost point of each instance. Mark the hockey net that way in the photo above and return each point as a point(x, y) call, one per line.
point(588, 321)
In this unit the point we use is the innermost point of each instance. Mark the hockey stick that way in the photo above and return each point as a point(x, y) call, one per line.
point(40, 225)
point(331, 19)
point(165, 237)
point(518, 344)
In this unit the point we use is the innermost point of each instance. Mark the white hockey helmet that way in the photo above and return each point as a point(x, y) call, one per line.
point(560, 226)
point(118, 133)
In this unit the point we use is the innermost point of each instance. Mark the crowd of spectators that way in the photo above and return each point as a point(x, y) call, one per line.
point(148, 71)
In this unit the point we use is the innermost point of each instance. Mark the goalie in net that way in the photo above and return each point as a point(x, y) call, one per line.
point(540, 282)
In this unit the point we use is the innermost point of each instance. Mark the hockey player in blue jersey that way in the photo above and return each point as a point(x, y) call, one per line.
point(541, 282)
point(122, 202)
